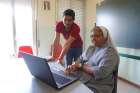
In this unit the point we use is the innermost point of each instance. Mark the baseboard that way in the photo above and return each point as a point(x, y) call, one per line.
point(127, 81)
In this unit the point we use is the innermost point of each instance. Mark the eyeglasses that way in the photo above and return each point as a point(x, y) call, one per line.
point(95, 36)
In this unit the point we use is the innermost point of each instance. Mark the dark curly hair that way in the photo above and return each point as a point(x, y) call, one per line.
point(69, 12)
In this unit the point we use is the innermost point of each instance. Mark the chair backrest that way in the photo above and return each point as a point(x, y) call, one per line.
point(115, 74)
point(26, 49)
point(56, 50)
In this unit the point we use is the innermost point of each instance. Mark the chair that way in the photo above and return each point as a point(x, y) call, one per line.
point(115, 74)
point(56, 51)
point(27, 49)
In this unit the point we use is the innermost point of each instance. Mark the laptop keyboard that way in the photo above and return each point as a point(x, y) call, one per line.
point(60, 79)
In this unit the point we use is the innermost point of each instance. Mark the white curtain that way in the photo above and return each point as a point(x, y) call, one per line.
point(15, 22)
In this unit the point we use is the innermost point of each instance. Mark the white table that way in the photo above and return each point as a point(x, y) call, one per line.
point(15, 78)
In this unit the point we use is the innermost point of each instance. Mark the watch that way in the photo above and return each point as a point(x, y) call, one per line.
point(81, 66)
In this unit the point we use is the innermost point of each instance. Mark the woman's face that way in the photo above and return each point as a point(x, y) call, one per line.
point(68, 21)
point(97, 37)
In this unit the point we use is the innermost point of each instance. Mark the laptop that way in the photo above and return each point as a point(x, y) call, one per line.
point(40, 68)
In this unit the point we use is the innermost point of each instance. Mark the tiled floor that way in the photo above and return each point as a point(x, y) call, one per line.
point(124, 87)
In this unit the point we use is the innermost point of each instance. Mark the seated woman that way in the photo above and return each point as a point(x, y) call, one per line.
point(102, 59)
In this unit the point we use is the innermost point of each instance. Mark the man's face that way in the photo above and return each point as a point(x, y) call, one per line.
point(68, 21)
point(97, 37)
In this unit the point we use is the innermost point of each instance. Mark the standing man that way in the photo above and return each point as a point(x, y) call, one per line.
point(72, 47)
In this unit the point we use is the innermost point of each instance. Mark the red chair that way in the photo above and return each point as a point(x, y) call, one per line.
point(27, 49)
point(57, 50)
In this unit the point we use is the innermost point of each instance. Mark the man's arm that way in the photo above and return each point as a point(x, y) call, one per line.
point(56, 39)
point(66, 47)
point(55, 42)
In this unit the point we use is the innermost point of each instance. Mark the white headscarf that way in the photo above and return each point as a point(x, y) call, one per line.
point(107, 36)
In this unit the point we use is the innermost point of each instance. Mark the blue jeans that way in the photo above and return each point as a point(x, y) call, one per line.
point(72, 55)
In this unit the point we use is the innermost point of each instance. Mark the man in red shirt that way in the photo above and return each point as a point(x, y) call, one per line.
point(71, 32)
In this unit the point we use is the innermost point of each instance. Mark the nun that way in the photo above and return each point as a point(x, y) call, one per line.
point(96, 65)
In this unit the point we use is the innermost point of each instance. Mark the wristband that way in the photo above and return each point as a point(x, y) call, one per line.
point(81, 66)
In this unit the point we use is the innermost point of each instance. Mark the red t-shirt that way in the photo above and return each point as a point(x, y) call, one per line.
point(74, 32)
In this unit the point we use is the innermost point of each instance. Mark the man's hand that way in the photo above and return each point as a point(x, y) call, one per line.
point(51, 58)
point(60, 61)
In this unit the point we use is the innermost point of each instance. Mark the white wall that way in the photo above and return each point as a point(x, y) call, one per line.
point(44, 26)
point(129, 68)
point(90, 19)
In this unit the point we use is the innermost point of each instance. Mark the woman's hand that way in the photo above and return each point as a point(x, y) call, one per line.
point(72, 68)
point(88, 69)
